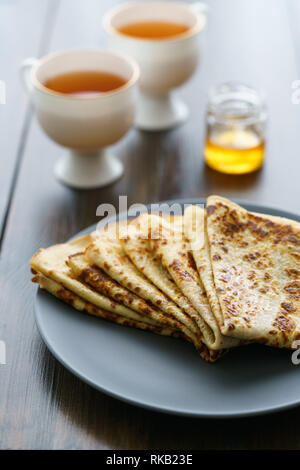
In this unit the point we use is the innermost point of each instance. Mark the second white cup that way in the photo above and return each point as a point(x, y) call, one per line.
point(165, 63)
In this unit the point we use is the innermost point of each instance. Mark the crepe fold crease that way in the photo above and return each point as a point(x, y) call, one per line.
point(69, 297)
point(195, 230)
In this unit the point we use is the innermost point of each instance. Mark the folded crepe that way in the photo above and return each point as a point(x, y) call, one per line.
point(103, 283)
point(69, 297)
point(172, 248)
point(54, 275)
point(255, 261)
point(195, 231)
point(136, 245)
point(107, 253)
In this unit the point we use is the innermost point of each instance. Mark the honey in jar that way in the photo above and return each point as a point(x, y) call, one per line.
point(235, 130)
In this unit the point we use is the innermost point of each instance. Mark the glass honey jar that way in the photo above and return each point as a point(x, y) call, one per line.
point(235, 138)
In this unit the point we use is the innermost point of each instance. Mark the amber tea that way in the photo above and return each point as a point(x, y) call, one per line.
point(153, 29)
point(84, 82)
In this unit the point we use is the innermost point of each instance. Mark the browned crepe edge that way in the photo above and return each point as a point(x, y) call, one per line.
point(70, 298)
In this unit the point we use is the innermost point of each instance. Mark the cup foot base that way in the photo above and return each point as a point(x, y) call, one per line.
point(88, 171)
point(157, 113)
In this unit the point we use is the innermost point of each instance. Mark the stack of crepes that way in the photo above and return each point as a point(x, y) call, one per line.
point(219, 277)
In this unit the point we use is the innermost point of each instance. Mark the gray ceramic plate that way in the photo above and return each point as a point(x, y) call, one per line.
point(165, 374)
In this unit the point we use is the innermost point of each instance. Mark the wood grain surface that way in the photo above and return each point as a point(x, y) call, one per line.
point(42, 405)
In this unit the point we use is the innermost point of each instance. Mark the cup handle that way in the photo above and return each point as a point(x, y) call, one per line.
point(199, 7)
point(25, 73)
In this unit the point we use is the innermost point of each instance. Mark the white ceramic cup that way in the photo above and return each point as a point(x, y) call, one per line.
point(85, 124)
point(164, 63)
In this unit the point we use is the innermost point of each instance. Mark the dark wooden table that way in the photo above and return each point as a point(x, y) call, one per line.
point(43, 406)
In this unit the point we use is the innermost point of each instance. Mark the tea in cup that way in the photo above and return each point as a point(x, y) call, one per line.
point(84, 100)
point(165, 38)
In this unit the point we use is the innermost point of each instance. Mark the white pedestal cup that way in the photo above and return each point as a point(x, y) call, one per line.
point(165, 64)
point(84, 124)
